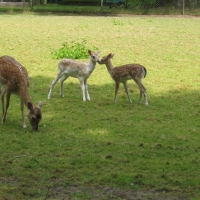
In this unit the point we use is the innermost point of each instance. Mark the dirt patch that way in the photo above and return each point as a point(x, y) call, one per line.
point(108, 193)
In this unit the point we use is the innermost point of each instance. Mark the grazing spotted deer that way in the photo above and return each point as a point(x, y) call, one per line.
point(80, 70)
point(14, 80)
point(126, 72)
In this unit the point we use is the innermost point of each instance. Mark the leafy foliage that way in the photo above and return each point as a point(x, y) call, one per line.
point(74, 50)
point(79, 2)
point(117, 22)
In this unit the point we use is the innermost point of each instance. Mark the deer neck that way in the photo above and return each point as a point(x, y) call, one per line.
point(91, 65)
point(109, 66)
point(24, 94)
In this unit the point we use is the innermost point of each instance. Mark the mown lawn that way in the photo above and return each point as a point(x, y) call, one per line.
point(99, 143)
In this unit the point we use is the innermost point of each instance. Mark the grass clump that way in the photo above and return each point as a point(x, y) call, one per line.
point(74, 50)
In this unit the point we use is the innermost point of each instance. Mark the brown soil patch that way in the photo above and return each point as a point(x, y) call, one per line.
point(108, 193)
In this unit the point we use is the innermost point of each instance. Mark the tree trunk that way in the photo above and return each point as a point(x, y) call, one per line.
point(101, 6)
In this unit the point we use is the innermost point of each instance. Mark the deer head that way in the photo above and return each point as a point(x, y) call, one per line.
point(94, 55)
point(34, 115)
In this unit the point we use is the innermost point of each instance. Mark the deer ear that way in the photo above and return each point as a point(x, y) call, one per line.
point(30, 105)
point(110, 55)
point(40, 104)
point(89, 52)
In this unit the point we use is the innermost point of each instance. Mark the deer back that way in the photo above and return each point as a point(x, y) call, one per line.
point(72, 67)
point(13, 75)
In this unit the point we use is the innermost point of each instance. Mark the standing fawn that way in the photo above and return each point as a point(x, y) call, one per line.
point(126, 72)
point(73, 68)
point(14, 80)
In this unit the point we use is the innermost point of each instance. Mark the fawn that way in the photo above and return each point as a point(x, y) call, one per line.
point(73, 68)
point(14, 80)
point(126, 72)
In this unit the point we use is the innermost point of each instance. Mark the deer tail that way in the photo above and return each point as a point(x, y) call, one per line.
point(144, 72)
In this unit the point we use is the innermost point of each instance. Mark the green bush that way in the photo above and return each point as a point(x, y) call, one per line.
point(79, 2)
point(142, 3)
point(149, 3)
point(75, 50)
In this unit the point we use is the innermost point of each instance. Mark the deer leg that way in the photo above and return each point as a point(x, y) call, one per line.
point(140, 100)
point(142, 91)
point(127, 92)
point(145, 97)
point(86, 90)
point(22, 111)
point(53, 84)
point(116, 91)
point(2, 101)
point(7, 105)
point(62, 79)
point(82, 88)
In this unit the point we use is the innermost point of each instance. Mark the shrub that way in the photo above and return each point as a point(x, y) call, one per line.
point(75, 50)
point(79, 2)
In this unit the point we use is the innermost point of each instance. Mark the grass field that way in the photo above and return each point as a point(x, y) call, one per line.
point(98, 143)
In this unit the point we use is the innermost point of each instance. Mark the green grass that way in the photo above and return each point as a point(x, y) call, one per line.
point(98, 142)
